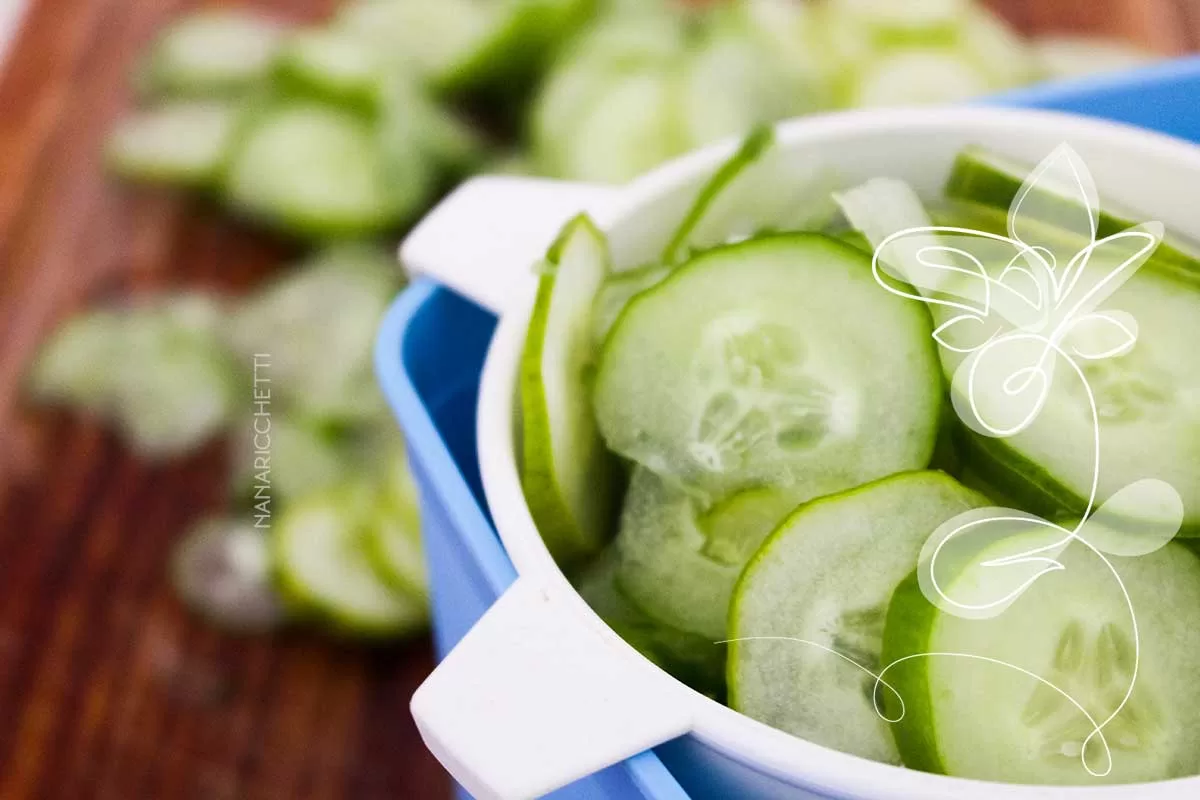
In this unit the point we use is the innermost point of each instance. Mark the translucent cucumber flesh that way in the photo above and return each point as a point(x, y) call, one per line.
point(825, 576)
point(680, 562)
point(759, 379)
point(983, 720)
point(318, 171)
point(568, 478)
point(212, 53)
point(185, 143)
point(617, 291)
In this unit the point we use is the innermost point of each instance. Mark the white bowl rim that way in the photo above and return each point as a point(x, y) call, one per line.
point(754, 744)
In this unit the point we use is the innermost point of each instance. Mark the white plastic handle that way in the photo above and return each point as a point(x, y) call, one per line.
point(533, 699)
point(485, 239)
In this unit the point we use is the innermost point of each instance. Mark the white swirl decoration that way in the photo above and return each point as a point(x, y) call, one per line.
point(1010, 311)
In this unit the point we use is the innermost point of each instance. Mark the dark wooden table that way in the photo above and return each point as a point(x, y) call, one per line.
point(107, 687)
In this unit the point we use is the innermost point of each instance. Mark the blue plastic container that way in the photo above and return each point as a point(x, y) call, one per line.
point(430, 355)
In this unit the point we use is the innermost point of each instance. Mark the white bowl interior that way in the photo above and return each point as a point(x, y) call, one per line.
point(1154, 174)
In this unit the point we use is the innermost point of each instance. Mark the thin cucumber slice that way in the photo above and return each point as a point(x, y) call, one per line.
point(221, 569)
point(1148, 424)
point(518, 42)
point(183, 143)
point(680, 562)
point(806, 626)
point(214, 52)
point(1059, 57)
point(332, 64)
point(616, 292)
point(311, 331)
point(74, 366)
point(629, 128)
point(319, 171)
point(900, 19)
point(420, 37)
point(921, 76)
point(997, 48)
point(742, 370)
point(568, 477)
point(394, 542)
point(980, 719)
point(991, 179)
point(279, 459)
point(175, 384)
point(758, 189)
point(320, 555)
point(692, 659)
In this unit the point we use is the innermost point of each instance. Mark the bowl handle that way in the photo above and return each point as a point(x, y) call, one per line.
point(484, 240)
point(534, 697)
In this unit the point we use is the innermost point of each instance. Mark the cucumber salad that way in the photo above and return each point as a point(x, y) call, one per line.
point(911, 478)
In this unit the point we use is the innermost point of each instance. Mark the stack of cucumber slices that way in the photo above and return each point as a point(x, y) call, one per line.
point(740, 454)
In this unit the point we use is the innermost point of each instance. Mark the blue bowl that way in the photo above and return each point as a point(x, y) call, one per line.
point(430, 354)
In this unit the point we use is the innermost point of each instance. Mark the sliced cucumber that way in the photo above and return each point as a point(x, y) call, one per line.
point(1076, 56)
point(316, 170)
point(394, 542)
point(332, 64)
point(991, 179)
point(616, 292)
point(680, 563)
point(283, 458)
point(320, 553)
point(901, 20)
point(214, 52)
point(74, 367)
point(921, 76)
point(184, 143)
point(311, 331)
point(806, 626)
point(568, 477)
point(695, 660)
point(741, 370)
point(976, 718)
point(222, 571)
point(424, 37)
point(1148, 422)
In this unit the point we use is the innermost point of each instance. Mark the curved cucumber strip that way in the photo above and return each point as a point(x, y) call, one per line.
point(317, 170)
point(211, 53)
point(695, 660)
point(977, 719)
point(321, 559)
point(742, 369)
point(680, 563)
point(991, 179)
point(825, 577)
point(616, 292)
point(568, 477)
point(182, 143)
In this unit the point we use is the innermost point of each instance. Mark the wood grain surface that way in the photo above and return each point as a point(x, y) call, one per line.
point(108, 688)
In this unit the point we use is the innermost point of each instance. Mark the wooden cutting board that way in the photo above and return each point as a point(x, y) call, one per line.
point(107, 687)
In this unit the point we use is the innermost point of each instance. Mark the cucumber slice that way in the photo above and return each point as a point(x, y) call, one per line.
point(616, 292)
point(284, 459)
point(692, 659)
point(742, 369)
point(991, 179)
point(806, 626)
point(568, 478)
point(320, 552)
point(394, 542)
point(902, 20)
point(758, 189)
point(74, 367)
point(1147, 422)
point(680, 562)
point(214, 52)
point(997, 48)
point(328, 63)
point(182, 143)
point(221, 569)
point(319, 171)
point(921, 76)
point(977, 719)
point(421, 37)
point(1060, 57)
point(312, 330)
